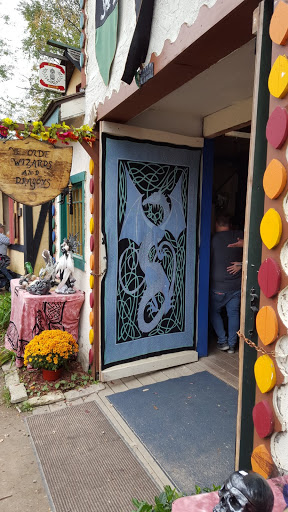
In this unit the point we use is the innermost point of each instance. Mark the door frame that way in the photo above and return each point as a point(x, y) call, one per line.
point(157, 362)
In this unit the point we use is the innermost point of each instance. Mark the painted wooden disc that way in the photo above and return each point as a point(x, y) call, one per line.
point(263, 419)
point(271, 228)
point(91, 298)
point(92, 261)
point(265, 374)
point(277, 127)
point(53, 236)
point(91, 166)
point(91, 186)
point(91, 318)
point(261, 461)
point(91, 205)
point(278, 29)
point(91, 281)
point(92, 243)
point(278, 78)
point(269, 277)
point(91, 225)
point(91, 336)
point(274, 179)
point(267, 325)
point(91, 356)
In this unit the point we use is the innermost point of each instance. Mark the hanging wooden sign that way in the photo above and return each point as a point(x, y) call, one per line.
point(33, 172)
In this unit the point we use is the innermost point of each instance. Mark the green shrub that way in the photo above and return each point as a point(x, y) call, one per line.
point(5, 310)
point(163, 502)
point(6, 356)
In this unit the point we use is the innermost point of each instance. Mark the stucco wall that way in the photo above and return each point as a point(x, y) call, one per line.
point(80, 163)
point(169, 16)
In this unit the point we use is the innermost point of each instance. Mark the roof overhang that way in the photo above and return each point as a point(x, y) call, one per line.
point(216, 33)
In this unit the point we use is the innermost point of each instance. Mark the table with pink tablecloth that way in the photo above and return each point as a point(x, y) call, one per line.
point(32, 314)
point(206, 502)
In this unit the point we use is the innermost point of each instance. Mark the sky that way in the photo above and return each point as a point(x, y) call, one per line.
point(13, 34)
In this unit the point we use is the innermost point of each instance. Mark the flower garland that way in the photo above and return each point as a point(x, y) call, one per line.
point(55, 132)
point(50, 350)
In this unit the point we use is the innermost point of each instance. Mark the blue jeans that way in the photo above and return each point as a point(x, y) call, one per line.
point(231, 301)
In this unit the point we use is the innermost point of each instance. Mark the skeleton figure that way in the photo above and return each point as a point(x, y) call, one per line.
point(65, 265)
point(245, 492)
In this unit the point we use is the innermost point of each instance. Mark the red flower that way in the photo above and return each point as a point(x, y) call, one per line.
point(52, 141)
point(19, 136)
point(62, 135)
point(72, 136)
point(3, 131)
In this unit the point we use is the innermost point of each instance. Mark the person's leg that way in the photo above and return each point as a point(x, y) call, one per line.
point(6, 273)
point(233, 314)
point(217, 301)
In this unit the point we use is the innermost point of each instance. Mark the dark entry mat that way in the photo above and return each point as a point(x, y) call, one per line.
point(188, 425)
point(85, 463)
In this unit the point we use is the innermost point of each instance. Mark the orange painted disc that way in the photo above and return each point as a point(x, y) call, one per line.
point(274, 179)
point(278, 78)
point(271, 228)
point(91, 205)
point(279, 24)
point(267, 325)
point(265, 374)
point(91, 281)
point(91, 336)
point(91, 318)
point(262, 462)
point(91, 225)
point(91, 167)
point(92, 261)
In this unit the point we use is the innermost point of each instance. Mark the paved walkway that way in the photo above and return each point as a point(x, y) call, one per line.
point(224, 366)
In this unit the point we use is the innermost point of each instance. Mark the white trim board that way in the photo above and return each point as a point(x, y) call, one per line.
point(135, 132)
point(148, 365)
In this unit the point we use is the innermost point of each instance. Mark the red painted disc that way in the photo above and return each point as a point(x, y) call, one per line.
point(92, 243)
point(92, 300)
point(263, 419)
point(91, 355)
point(277, 127)
point(269, 277)
point(91, 186)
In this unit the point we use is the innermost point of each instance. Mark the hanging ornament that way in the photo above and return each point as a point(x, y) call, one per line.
point(70, 199)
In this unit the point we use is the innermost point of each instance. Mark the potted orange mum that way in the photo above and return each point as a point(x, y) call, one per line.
point(50, 351)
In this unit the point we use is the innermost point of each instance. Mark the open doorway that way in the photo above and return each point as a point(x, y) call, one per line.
point(231, 156)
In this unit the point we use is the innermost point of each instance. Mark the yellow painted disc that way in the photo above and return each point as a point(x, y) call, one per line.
point(267, 325)
point(278, 78)
point(91, 167)
point(274, 179)
point(91, 318)
point(92, 261)
point(271, 228)
point(265, 374)
point(261, 461)
point(91, 336)
point(91, 225)
point(91, 282)
point(91, 205)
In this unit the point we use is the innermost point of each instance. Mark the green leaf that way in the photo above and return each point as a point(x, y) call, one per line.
point(57, 385)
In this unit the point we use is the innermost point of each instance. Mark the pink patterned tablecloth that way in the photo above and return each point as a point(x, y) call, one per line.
point(206, 502)
point(32, 314)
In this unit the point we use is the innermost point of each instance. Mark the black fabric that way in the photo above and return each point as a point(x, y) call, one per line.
point(140, 41)
point(221, 257)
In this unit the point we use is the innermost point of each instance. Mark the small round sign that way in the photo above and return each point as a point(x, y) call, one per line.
point(271, 228)
point(265, 373)
point(263, 419)
point(269, 277)
point(267, 325)
point(277, 127)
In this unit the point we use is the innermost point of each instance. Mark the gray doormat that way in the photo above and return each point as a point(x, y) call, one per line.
point(85, 463)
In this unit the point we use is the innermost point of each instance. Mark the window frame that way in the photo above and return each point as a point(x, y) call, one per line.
point(79, 180)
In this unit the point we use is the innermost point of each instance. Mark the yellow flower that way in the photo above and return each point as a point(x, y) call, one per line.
point(35, 136)
point(45, 136)
point(7, 121)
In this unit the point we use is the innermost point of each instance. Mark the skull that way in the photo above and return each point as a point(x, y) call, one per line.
point(245, 492)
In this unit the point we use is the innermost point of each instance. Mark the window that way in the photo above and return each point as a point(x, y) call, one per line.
point(72, 222)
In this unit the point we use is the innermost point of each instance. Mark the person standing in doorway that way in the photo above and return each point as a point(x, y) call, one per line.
point(225, 282)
